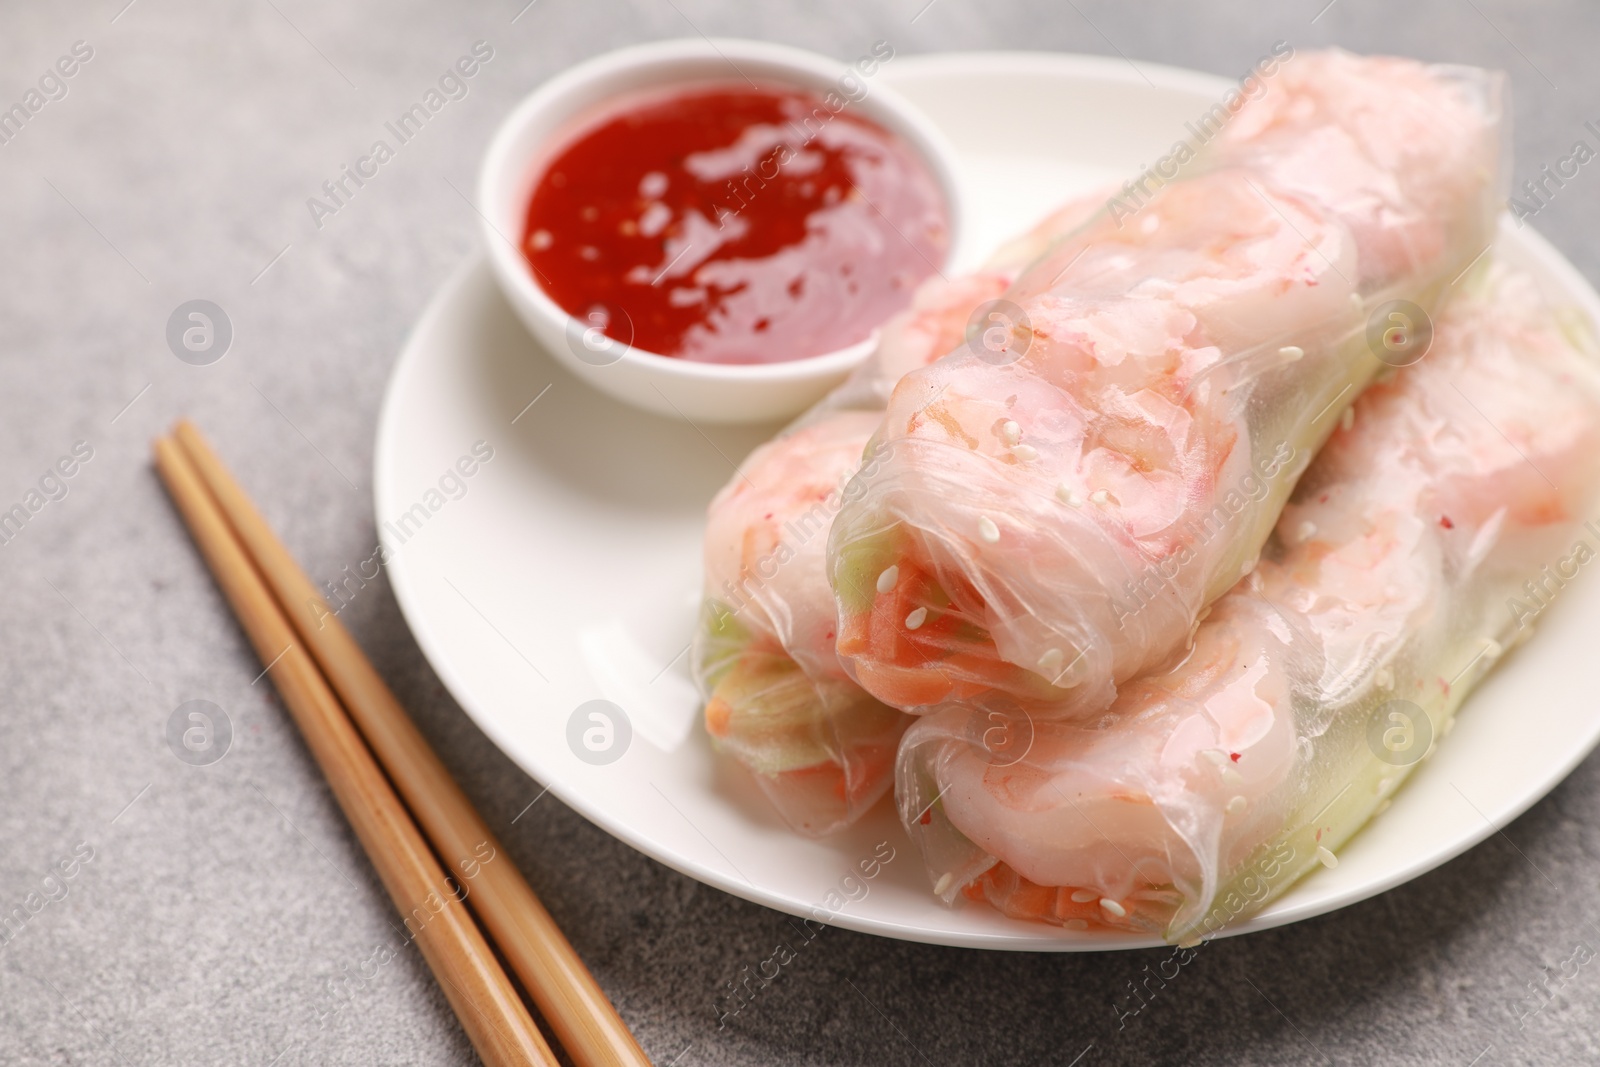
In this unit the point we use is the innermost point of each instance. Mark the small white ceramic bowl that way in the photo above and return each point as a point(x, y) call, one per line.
point(541, 125)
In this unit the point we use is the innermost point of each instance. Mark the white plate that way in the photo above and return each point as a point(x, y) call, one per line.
point(568, 570)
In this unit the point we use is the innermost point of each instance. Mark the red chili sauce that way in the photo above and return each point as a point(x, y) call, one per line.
point(731, 224)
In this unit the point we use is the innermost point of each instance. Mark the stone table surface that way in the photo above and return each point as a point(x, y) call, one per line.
point(212, 910)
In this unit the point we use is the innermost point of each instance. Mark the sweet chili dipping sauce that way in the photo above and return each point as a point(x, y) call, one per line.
point(726, 223)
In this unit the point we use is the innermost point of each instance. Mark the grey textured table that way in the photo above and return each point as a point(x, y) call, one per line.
point(225, 913)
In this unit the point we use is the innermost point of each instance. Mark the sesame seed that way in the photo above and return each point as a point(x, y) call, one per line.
point(1231, 776)
point(1347, 419)
point(1113, 907)
point(987, 529)
point(1492, 648)
point(1249, 565)
point(1291, 352)
point(653, 184)
point(1326, 858)
point(1236, 805)
point(1010, 432)
point(1026, 453)
point(1099, 496)
point(1384, 679)
point(916, 618)
point(1075, 924)
point(1383, 806)
point(1190, 942)
point(1355, 301)
point(1065, 494)
point(942, 884)
point(1050, 662)
point(1449, 724)
point(886, 580)
point(1215, 755)
point(1307, 531)
point(1083, 896)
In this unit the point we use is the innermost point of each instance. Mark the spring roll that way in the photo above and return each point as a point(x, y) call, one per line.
point(1312, 688)
point(1047, 519)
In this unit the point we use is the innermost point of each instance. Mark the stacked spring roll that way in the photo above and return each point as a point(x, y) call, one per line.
point(1043, 524)
point(1314, 686)
point(778, 699)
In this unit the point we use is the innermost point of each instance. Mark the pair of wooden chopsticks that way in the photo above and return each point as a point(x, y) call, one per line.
point(364, 741)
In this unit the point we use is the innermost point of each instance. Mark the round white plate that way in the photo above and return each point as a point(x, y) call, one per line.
point(566, 568)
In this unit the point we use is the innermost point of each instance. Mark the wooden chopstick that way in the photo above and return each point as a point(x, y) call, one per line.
point(583, 1019)
point(491, 1012)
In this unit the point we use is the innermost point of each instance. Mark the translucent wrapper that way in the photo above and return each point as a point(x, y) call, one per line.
point(1396, 577)
point(777, 698)
point(1050, 514)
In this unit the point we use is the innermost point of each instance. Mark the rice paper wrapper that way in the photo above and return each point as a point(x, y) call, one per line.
point(1055, 506)
point(1412, 556)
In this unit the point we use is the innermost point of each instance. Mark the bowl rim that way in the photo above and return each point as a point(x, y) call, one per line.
point(883, 104)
